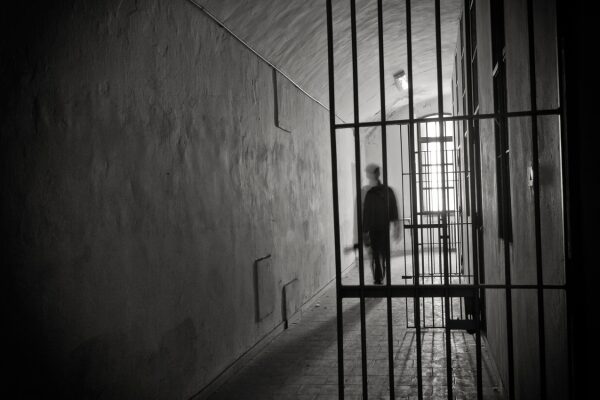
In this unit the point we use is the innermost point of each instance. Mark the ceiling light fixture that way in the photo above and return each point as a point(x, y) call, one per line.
point(400, 80)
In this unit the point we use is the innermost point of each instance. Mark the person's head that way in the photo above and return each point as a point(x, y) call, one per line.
point(373, 172)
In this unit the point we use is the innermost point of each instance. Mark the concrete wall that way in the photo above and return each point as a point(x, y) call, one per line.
point(292, 34)
point(143, 176)
point(522, 247)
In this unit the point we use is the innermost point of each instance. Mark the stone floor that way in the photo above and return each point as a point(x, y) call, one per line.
point(301, 363)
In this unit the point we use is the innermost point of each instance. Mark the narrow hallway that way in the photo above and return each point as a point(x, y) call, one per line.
point(301, 362)
point(191, 187)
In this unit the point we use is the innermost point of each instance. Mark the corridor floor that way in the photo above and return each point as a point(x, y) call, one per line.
point(301, 363)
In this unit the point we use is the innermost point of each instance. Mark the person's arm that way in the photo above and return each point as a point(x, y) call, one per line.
point(366, 222)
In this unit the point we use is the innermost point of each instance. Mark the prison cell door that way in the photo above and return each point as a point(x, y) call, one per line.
point(431, 220)
point(440, 285)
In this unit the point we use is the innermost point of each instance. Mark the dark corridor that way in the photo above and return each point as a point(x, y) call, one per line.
point(185, 183)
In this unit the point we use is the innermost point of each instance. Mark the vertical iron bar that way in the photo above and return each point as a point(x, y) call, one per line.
point(479, 219)
point(385, 183)
point(420, 161)
point(432, 237)
point(467, 151)
point(507, 268)
point(457, 164)
point(361, 271)
point(536, 199)
point(476, 312)
point(509, 319)
point(458, 225)
point(336, 217)
point(428, 253)
point(413, 189)
point(404, 213)
point(421, 185)
point(438, 51)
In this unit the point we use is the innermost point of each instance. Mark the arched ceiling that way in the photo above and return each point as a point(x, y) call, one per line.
point(292, 35)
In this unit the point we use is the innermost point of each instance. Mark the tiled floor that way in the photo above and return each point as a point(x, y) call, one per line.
point(301, 363)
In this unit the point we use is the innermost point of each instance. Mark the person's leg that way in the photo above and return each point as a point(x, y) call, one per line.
point(374, 255)
point(385, 254)
point(376, 246)
point(374, 261)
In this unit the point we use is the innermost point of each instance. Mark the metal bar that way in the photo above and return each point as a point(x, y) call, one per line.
point(439, 242)
point(437, 212)
point(336, 217)
point(422, 291)
point(434, 165)
point(509, 322)
point(452, 274)
point(536, 199)
point(431, 226)
point(511, 114)
point(507, 276)
point(438, 188)
point(363, 334)
point(413, 189)
point(420, 169)
point(419, 152)
point(385, 183)
point(431, 257)
point(468, 179)
point(432, 237)
point(458, 226)
point(438, 52)
point(435, 140)
point(409, 150)
point(478, 217)
point(476, 266)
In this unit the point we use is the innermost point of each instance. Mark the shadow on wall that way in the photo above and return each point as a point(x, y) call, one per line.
point(34, 368)
point(351, 318)
point(96, 355)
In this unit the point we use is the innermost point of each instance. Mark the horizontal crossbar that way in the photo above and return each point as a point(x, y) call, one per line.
point(515, 114)
point(459, 290)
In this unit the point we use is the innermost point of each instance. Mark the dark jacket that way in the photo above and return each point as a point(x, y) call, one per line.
point(379, 211)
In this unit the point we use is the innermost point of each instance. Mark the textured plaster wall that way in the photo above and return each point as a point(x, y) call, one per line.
point(143, 175)
point(296, 41)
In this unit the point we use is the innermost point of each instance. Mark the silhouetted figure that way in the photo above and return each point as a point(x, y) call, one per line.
point(379, 210)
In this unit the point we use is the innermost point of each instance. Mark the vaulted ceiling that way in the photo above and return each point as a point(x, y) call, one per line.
point(292, 35)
